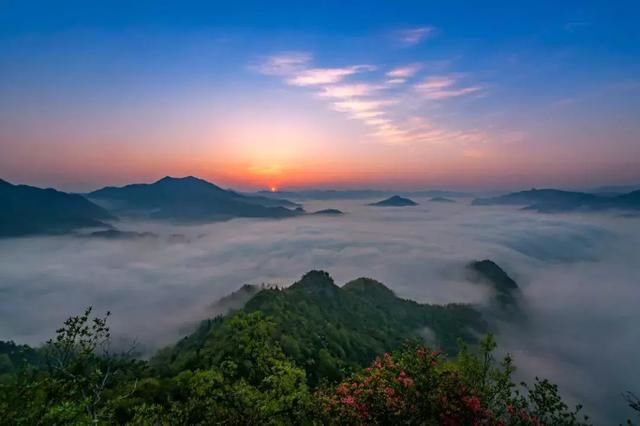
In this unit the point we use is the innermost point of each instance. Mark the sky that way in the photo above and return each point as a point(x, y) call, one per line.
point(257, 95)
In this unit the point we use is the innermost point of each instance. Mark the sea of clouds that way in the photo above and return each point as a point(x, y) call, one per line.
point(578, 273)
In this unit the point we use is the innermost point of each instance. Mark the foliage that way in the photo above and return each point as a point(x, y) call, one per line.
point(289, 357)
point(417, 386)
point(327, 330)
point(73, 383)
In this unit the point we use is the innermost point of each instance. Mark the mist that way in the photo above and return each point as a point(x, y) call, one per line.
point(578, 275)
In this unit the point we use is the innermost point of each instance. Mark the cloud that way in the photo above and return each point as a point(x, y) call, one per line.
point(443, 87)
point(320, 76)
point(158, 290)
point(349, 90)
point(413, 36)
point(374, 103)
point(357, 106)
point(404, 72)
point(294, 66)
point(284, 63)
point(422, 131)
point(365, 115)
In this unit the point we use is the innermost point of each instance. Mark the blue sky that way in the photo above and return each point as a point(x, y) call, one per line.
point(331, 94)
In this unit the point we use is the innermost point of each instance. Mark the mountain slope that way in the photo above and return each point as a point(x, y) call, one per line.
point(27, 210)
point(488, 272)
point(329, 330)
point(188, 199)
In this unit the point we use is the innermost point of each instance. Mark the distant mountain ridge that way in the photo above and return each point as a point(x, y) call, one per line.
point(27, 210)
point(351, 194)
point(441, 200)
point(554, 200)
point(189, 199)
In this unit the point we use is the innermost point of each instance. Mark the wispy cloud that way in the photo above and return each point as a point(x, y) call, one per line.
point(404, 72)
point(284, 63)
point(295, 67)
point(413, 36)
point(347, 91)
point(319, 76)
point(421, 130)
point(401, 74)
point(367, 114)
point(444, 87)
point(362, 105)
point(375, 104)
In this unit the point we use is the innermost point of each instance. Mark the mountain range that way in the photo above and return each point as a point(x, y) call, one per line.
point(352, 194)
point(27, 210)
point(555, 201)
point(188, 199)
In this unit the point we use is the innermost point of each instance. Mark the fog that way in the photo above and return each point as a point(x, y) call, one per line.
point(578, 274)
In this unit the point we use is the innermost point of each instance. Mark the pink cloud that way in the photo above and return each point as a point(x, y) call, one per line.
point(404, 72)
point(413, 36)
point(319, 76)
point(349, 90)
point(443, 87)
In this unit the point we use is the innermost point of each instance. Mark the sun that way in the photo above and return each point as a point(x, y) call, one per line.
point(274, 189)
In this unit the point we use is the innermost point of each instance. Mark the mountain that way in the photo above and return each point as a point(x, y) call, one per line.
point(352, 194)
point(236, 300)
point(188, 199)
point(611, 190)
point(488, 272)
point(555, 201)
point(329, 212)
point(27, 210)
point(116, 234)
point(329, 330)
point(630, 200)
point(395, 201)
point(441, 200)
point(536, 196)
point(311, 354)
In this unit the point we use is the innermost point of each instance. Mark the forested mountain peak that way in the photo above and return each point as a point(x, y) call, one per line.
point(368, 287)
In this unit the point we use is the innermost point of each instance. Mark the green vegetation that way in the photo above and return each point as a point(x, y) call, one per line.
point(313, 353)
point(327, 330)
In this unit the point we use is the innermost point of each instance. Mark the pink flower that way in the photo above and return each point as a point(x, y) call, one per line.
point(472, 402)
point(341, 390)
point(349, 400)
